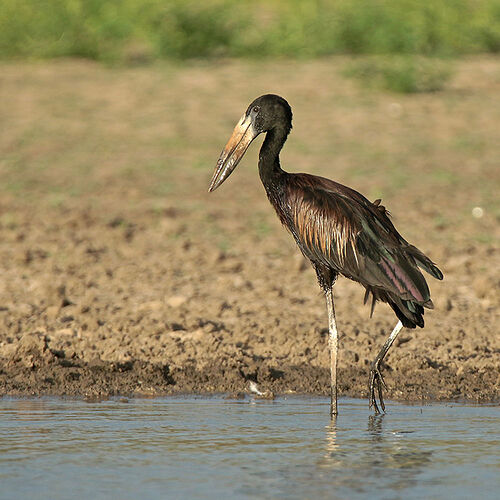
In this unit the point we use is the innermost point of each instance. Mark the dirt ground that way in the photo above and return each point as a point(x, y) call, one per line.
point(122, 275)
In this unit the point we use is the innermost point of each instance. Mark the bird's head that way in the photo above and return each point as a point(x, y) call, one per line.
point(266, 113)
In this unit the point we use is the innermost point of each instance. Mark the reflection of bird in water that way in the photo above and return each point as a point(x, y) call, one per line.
point(338, 229)
point(351, 452)
point(395, 452)
point(375, 427)
point(332, 446)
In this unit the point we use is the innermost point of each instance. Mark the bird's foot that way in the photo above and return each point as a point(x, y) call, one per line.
point(376, 384)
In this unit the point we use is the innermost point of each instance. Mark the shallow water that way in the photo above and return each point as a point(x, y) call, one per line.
point(192, 447)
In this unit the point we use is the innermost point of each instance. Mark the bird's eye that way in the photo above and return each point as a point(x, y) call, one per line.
point(256, 109)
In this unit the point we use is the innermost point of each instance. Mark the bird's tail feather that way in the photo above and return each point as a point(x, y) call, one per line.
point(425, 263)
point(409, 312)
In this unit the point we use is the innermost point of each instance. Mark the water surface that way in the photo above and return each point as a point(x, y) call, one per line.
point(192, 447)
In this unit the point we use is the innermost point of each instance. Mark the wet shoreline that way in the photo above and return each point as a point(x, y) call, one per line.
point(36, 370)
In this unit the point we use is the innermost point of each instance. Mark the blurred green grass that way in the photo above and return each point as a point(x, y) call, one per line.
point(132, 31)
point(406, 74)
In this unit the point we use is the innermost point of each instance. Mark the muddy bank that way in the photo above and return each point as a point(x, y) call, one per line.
point(121, 275)
point(37, 369)
point(106, 314)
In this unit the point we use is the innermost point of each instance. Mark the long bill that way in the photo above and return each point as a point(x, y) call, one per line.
point(243, 134)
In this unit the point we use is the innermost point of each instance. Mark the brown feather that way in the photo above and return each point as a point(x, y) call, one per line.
point(337, 228)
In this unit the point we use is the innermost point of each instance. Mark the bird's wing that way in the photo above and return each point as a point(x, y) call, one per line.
point(339, 228)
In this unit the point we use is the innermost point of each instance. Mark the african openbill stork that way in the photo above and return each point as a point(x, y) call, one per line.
point(337, 229)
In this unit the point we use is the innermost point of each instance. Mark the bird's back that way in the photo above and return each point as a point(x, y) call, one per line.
point(338, 229)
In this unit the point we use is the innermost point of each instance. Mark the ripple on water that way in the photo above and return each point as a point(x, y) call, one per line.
point(192, 447)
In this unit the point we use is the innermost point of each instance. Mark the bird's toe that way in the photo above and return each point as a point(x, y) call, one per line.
point(376, 384)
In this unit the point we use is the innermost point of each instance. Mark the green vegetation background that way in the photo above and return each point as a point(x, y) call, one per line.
point(123, 31)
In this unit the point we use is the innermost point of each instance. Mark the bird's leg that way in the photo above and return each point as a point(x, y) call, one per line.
point(376, 379)
point(334, 347)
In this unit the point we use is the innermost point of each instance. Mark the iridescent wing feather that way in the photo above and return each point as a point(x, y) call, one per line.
point(339, 228)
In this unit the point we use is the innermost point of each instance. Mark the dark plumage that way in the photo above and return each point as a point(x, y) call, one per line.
point(336, 228)
point(339, 229)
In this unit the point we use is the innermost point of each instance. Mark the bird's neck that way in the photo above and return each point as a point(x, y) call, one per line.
point(269, 159)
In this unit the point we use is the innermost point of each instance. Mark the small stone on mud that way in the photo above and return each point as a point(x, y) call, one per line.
point(403, 340)
point(154, 305)
point(176, 300)
point(30, 350)
point(64, 332)
point(52, 312)
point(22, 309)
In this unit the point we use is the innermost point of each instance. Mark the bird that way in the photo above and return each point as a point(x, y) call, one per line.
point(339, 230)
